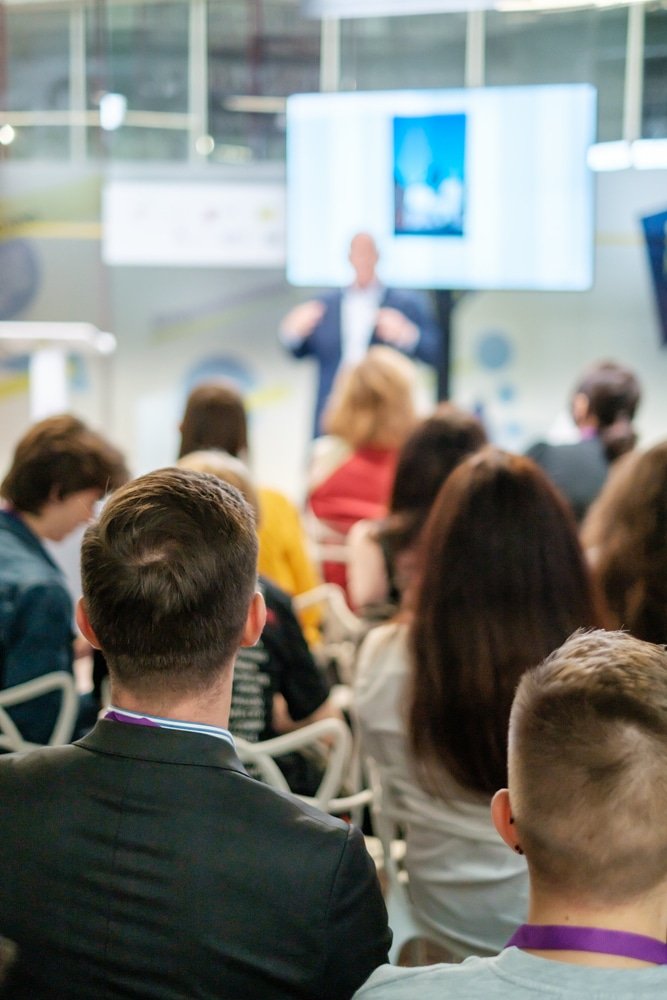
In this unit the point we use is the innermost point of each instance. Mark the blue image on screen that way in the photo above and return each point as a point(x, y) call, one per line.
point(429, 175)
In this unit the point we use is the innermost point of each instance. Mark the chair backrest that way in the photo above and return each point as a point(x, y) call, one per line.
point(341, 629)
point(332, 736)
point(63, 729)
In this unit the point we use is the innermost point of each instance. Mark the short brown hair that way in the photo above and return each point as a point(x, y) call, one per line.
point(214, 418)
point(62, 455)
point(613, 393)
point(588, 767)
point(168, 573)
point(372, 404)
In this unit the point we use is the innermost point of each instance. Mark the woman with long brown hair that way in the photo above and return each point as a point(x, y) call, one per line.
point(502, 582)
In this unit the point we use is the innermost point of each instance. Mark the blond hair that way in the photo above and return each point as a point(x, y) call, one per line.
point(588, 767)
point(225, 467)
point(372, 402)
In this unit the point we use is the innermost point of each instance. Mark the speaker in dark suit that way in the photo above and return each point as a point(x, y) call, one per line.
point(341, 325)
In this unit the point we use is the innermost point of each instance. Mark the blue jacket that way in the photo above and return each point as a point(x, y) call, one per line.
point(35, 623)
point(324, 343)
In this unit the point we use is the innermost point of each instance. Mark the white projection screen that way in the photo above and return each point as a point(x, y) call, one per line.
point(479, 188)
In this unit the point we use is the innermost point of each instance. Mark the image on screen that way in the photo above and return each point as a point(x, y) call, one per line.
point(479, 188)
point(429, 175)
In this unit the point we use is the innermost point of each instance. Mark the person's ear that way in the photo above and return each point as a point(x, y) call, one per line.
point(255, 620)
point(503, 820)
point(84, 626)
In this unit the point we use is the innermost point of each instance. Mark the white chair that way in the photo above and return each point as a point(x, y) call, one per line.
point(342, 630)
point(386, 820)
point(331, 737)
point(10, 737)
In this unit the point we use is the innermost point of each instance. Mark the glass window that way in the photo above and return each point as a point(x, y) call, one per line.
point(40, 142)
point(390, 53)
point(129, 143)
point(257, 51)
point(140, 51)
point(37, 74)
point(654, 119)
point(575, 47)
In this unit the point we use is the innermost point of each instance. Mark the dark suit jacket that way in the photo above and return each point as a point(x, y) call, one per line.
point(324, 343)
point(145, 863)
point(579, 470)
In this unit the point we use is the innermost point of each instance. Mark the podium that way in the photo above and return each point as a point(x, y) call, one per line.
point(47, 346)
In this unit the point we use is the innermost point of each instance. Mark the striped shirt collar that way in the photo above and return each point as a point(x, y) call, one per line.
point(115, 714)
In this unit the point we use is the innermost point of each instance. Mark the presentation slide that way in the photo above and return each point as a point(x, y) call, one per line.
point(480, 188)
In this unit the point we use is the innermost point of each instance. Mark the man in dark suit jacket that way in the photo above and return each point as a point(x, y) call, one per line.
point(143, 861)
point(341, 325)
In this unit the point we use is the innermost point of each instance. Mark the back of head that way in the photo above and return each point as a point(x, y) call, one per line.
point(214, 418)
point(613, 393)
point(57, 457)
point(503, 582)
point(588, 768)
point(372, 402)
point(626, 529)
point(430, 454)
point(168, 573)
point(227, 468)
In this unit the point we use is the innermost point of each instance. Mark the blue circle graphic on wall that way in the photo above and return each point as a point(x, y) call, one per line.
point(215, 368)
point(20, 277)
point(494, 350)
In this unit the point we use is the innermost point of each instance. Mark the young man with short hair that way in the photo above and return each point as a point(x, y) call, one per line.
point(587, 804)
point(143, 861)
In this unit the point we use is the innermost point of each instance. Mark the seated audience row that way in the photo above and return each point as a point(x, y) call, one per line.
point(496, 581)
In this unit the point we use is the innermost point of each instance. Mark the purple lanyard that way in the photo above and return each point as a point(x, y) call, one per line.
point(117, 716)
point(556, 937)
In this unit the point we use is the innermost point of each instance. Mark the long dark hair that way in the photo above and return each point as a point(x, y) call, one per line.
point(503, 583)
point(432, 451)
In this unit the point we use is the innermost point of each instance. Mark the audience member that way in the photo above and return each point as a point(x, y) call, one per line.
point(215, 418)
point(143, 861)
point(502, 581)
point(277, 684)
point(586, 804)
point(59, 471)
point(339, 327)
point(368, 418)
point(603, 407)
point(625, 534)
point(381, 552)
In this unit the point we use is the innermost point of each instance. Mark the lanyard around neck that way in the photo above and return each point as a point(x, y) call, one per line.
point(557, 937)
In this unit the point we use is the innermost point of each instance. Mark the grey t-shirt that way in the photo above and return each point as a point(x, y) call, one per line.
point(514, 975)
